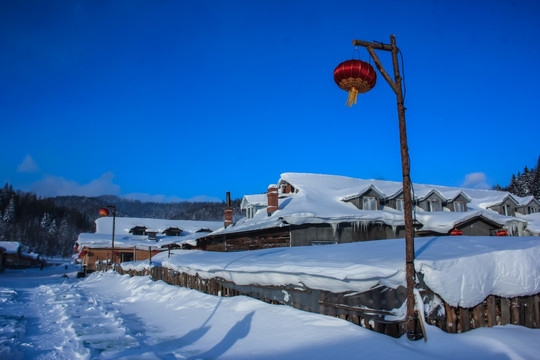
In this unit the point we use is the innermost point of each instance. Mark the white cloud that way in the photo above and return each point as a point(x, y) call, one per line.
point(59, 186)
point(476, 180)
point(28, 165)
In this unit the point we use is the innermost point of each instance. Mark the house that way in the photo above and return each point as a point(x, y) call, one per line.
point(13, 256)
point(528, 205)
point(136, 239)
point(313, 209)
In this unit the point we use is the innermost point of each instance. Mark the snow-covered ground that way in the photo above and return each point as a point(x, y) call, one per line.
point(44, 315)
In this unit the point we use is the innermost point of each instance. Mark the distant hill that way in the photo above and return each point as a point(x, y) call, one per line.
point(184, 210)
point(50, 226)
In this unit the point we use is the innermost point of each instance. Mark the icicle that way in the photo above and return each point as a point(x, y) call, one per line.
point(334, 228)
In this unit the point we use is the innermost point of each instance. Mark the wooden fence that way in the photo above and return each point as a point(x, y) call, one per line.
point(367, 309)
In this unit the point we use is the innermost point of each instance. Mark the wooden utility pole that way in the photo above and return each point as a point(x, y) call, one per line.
point(412, 331)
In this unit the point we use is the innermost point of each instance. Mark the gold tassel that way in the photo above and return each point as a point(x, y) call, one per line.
point(353, 93)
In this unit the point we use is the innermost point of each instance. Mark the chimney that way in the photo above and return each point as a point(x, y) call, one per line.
point(272, 199)
point(228, 211)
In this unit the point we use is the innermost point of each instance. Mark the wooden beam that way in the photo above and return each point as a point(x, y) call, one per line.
point(382, 71)
point(372, 45)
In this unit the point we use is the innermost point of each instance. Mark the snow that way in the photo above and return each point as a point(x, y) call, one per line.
point(321, 199)
point(462, 270)
point(12, 247)
point(123, 239)
point(44, 315)
point(124, 224)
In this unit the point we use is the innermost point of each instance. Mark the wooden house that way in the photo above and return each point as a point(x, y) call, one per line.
point(135, 239)
point(315, 209)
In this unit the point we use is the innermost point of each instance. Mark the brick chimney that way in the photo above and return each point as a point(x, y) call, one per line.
point(272, 199)
point(229, 212)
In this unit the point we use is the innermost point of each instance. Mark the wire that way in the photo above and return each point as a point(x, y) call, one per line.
point(356, 51)
point(403, 72)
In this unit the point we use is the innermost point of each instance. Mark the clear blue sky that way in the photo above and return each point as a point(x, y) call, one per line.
point(181, 99)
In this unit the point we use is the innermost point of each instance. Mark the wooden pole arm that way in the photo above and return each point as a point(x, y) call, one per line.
point(381, 69)
point(372, 45)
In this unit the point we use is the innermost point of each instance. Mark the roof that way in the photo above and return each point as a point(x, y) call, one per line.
point(124, 224)
point(320, 199)
point(12, 247)
point(102, 238)
point(527, 200)
point(254, 200)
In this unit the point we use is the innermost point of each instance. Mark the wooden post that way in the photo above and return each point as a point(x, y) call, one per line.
point(411, 319)
point(491, 311)
point(464, 320)
point(150, 254)
point(505, 311)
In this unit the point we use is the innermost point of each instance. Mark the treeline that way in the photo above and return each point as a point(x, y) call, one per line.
point(39, 224)
point(50, 226)
point(525, 183)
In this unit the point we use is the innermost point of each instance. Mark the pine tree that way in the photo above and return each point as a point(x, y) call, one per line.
point(9, 214)
point(535, 186)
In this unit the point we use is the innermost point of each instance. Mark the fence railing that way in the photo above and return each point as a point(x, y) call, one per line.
point(369, 309)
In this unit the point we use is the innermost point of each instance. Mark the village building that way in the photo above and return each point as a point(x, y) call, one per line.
point(136, 239)
point(13, 256)
point(313, 209)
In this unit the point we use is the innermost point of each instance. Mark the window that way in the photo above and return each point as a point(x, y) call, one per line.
point(434, 205)
point(532, 210)
point(459, 206)
point(370, 203)
point(507, 210)
point(399, 204)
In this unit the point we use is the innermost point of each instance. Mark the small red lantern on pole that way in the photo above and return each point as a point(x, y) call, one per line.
point(103, 212)
point(456, 232)
point(355, 76)
point(502, 232)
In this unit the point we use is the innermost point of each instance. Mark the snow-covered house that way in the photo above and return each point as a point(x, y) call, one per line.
point(528, 205)
point(13, 256)
point(137, 239)
point(314, 209)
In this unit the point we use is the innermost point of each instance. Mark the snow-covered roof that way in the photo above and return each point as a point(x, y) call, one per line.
point(12, 247)
point(254, 200)
point(124, 224)
point(526, 200)
point(102, 238)
point(320, 199)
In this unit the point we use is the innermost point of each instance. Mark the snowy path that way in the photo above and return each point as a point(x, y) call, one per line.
point(106, 316)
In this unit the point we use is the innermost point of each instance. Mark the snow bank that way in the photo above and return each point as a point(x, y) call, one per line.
point(462, 270)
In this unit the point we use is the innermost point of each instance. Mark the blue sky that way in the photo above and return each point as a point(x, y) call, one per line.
point(171, 100)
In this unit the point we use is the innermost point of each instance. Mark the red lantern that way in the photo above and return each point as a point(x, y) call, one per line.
point(502, 232)
point(456, 232)
point(103, 212)
point(355, 76)
point(83, 254)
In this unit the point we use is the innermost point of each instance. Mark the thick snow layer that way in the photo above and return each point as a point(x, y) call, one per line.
point(102, 238)
point(462, 270)
point(534, 222)
point(11, 246)
point(321, 199)
point(92, 240)
point(124, 224)
point(107, 316)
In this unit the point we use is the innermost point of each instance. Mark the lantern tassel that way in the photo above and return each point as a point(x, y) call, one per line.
point(353, 93)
